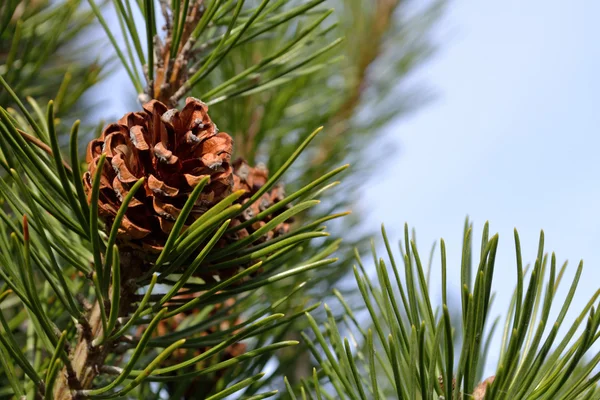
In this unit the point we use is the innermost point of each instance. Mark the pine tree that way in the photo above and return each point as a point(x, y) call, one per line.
point(156, 256)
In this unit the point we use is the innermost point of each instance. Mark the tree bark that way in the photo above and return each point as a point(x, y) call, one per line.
point(85, 359)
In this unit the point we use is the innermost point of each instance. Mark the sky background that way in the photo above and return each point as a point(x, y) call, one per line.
point(512, 138)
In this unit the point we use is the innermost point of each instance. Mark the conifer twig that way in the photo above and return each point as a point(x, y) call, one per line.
point(42, 146)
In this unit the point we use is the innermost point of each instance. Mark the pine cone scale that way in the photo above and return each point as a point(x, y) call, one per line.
point(132, 231)
point(165, 210)
point(137, 137)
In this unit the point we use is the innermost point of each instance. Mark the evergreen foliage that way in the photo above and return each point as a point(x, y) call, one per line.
point(303, 88)
point(407, 350)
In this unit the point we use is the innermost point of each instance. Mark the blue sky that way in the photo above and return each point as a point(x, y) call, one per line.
point(512, 138)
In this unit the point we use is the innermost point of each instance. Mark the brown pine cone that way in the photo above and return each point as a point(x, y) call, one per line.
point(170, 325)
point(174, 150)
point(251, 180)
point(202, 384)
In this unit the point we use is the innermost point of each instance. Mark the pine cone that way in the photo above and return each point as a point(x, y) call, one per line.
point(174, 150)
point(200, 386)
point(251, 180)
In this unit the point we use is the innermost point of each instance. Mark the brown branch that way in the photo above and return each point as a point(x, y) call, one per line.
point(171, 76)
point(164, 6)
point(187, 42)
point(88, 359)
point(85, 359)
point(368, 53)
point(42, 146)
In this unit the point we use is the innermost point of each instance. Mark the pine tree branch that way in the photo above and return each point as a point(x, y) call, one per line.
point(87, 358)
point(368, 52)
point(255, 257)
point(42, 146)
